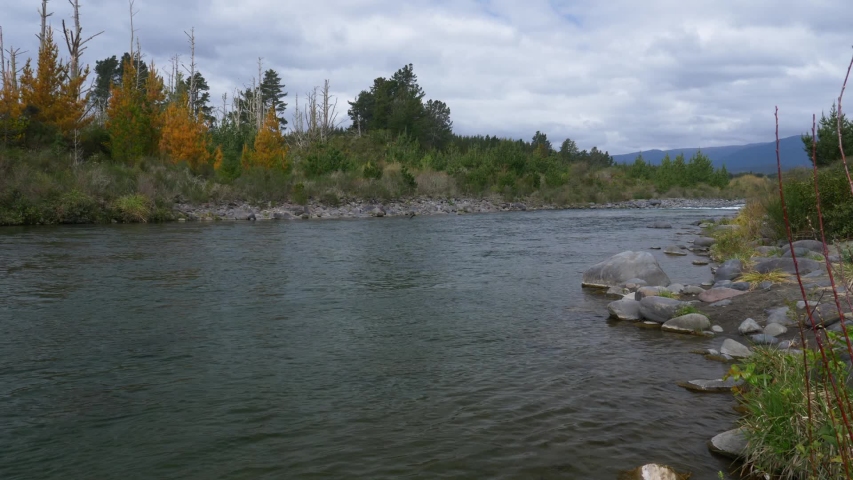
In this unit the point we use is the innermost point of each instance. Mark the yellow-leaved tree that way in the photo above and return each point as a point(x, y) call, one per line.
point(270, 150)
point(50, 93)
point(183, 137)
point(134, 114)
point(12, 124)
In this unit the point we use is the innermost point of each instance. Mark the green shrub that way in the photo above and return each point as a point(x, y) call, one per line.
point(298, 195)
point(134, 208)
point(836, 204)
point(371, 171)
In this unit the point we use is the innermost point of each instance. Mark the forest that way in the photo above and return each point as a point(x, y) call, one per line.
point(129, 132)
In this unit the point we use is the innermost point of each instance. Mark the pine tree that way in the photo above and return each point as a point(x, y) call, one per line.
point(272, 95)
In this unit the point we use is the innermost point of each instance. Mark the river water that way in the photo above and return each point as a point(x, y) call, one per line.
point(433, 347)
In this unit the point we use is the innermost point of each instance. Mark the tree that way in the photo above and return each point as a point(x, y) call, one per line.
point(269, 149)
point(827, 150)
point(700, 169)
point(201, 102)
point(49, 94)
point(133, 115)
point(568, 151)
point(438, 128)
point(540, 144)
point(272, 94)
point(107, 73)
point(184, 135)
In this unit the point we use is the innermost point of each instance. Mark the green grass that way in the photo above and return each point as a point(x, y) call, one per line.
point(776, 421)
point(686, 310)
point(666, 294)
point(133, 208)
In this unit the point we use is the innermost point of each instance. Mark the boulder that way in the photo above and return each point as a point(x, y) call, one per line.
point(717, 329)
point(787, 265)
point(767, 251)
point(619, 268)
point(676, 288)
point(625, 310)
point(723, 284)
point(660, 225)
point(808, 245)
point(731, 444)
point(799, 251)
point(735, 349)
point(711, 386)
point(659, 309)
point(781, 316)
point(742, 286)
point(729, 270)
point(717, 294)
point(644, 292)
point(675, 250)
point(826, 314)
point(635, 283)
point(749, 326)
point(283, 216)
point(704, 242)
point(690, 323)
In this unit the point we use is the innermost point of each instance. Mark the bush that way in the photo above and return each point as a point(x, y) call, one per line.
point(134, 208)
point(836, 204)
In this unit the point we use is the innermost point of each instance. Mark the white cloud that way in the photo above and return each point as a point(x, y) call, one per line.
point(620, 75)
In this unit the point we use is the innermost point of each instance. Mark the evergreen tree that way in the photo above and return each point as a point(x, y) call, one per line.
point(272, 95)
point(107, 74)
point(827, 150)
point(569, 151)
point(202, 97)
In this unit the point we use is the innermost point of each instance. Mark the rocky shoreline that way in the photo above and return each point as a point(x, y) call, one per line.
point(741, 315)
point(413, 207)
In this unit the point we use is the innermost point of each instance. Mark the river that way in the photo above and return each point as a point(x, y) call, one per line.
point(432, 347)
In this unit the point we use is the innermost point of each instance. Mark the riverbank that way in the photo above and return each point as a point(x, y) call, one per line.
point(413, 207)
point(752, 308)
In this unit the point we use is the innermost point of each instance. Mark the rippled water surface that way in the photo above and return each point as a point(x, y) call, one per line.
point(436, 347)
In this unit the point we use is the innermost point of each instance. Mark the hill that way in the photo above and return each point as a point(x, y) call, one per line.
point(754, 157)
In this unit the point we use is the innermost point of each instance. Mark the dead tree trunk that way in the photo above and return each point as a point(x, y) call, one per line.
point(191, 94)
point(43, 14)
point(74, 41)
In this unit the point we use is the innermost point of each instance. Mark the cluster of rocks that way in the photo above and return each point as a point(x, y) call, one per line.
point(406, 207)
point(643, 293)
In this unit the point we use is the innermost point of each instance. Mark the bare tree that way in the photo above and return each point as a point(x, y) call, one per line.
point(43, 14)
point(328, 113)
point(191, 70)
point(73, 39)
point(318, 119)
point(132, 31)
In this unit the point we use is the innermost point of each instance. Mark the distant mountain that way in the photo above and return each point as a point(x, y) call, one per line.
point(755, 157)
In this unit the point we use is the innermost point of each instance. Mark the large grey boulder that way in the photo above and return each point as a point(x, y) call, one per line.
point(691, 323)
point(731, 444)
point(659, 309)
point(729, 270)
point(786, 265)
point(799, 251)
point(625, 266)
point(625, 310)
point(826, 314)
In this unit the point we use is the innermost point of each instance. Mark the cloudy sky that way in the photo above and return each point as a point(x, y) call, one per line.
point(622, 75)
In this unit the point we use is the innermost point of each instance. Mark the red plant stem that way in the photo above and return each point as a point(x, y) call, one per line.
point(818, 340)
point(838, 126)
point(823, 238)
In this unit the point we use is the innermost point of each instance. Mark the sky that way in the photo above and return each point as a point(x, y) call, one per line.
point(621, 75)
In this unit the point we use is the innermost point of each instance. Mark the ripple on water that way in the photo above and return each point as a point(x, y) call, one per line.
point(433, 347)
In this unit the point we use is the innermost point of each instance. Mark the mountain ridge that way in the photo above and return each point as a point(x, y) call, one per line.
point(753, 157)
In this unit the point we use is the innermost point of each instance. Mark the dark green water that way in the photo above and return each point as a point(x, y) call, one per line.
point(437, 347)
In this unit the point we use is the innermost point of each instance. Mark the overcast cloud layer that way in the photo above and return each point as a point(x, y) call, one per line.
point(622, 75)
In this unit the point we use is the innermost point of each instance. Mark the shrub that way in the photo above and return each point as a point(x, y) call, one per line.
point(134, 208)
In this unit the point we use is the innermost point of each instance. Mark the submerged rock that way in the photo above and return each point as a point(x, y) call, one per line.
point(704, 242)
point(675, 250)
point(625, 266)
point(660, 225)
point(653, 471)
point(711, 386)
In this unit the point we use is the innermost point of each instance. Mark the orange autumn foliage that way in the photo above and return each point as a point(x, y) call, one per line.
point(134, 115)
point(184, 137)
point(270, 150)
point(51, 93)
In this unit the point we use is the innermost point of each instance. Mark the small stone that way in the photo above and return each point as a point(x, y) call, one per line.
point(675, 250)
point(721, 303)
point(653, 471)
point(700, 263)
point(749, 326)
point(742, 286)
point(717, 329)
point(775, 329)
point(762, 339)
point(765, 285)
point(693, 290)
point(691, 323)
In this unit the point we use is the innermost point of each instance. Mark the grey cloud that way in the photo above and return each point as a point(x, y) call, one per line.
point(621, 75)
